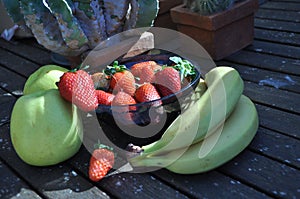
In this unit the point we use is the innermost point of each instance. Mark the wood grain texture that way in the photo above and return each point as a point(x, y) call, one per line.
point(268, 168)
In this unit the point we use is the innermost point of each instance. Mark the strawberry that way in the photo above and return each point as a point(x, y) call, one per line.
point(77, 86)
point(122, 98)
point(137, 69)
point(123, 114)
point(104, 98)
point(121, 78)
point(147, 75)
point(167, 81)
point(145, 71)
point(123, 81)
point(147, 92)
point(101, 81)
point(101, 161)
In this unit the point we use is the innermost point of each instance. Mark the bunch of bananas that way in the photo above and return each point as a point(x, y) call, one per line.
point(216, 127)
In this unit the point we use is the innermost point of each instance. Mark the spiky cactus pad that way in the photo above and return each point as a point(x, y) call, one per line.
point(70, 27)
point(207, 7)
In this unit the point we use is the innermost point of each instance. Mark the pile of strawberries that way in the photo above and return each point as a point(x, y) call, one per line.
point(145, 81)
point(117, 85)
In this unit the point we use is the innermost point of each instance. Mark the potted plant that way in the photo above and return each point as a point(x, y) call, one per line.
point(74, 27)
point(221, 27)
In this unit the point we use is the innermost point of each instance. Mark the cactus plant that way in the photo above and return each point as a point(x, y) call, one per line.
point(71, 27)
point(207, 7)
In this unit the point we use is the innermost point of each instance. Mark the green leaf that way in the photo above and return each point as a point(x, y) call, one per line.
point(45, 27)
point(71, 31)
point(184, 67)
point(91, 19)
point(13, 10)
point(148, 10)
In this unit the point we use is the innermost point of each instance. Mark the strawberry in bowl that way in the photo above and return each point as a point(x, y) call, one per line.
point(143, 93)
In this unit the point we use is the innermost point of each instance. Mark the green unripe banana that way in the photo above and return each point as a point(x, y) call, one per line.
point(224, 88)
point(237, 132)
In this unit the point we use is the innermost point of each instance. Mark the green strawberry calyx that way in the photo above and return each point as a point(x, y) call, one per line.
point(116, 67)
point(185, 68)
point(102, 146)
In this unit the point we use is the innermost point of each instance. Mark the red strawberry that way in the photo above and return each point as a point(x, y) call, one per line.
point(168, 81)
point(101, 80)
point(104, 98)
point(137, 69)
point(147, 92)
point(78, 87)
point(123, 114)
point(123, 81)
point(147, 75)
point(122, 98)
point(145, 71)
point(101, 162)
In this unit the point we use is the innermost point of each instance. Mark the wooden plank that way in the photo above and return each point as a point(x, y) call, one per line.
point(265, 77)
point(291, 16)
point(265, 61)
point(277, 146)
point(127, 184)
point(202, 185)
point(286, 6)
point(11, 81)
point(16, 63)
point(275, 49)
point(277, 36)
point(276, 179)
point(29, 52)
point(7, 100)
point(11, 186)
point(279, 121)
point(33, 42)
point(52, 181)
point(297, 1)
point(273, 97)
point(277, 25)
point(139, 186)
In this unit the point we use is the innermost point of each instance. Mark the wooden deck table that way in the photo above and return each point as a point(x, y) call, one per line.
point(268, 168)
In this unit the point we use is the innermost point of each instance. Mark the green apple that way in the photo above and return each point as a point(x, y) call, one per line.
point(45, 129)
point(43, 79)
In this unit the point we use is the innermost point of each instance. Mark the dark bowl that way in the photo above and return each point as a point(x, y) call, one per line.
point(145, 122)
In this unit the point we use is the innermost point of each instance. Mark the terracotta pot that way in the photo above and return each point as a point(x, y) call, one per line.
point(163, 18)
point(221, 34)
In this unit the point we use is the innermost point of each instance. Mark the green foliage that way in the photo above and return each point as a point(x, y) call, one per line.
point(71, 27)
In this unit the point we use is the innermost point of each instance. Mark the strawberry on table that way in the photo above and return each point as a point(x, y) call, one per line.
point(101, 161)
point(104, 98)
point(77, 87)
point(147, 92)
point(168, 81)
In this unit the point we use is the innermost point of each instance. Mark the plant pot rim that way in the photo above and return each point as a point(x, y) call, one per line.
point(215, 21)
